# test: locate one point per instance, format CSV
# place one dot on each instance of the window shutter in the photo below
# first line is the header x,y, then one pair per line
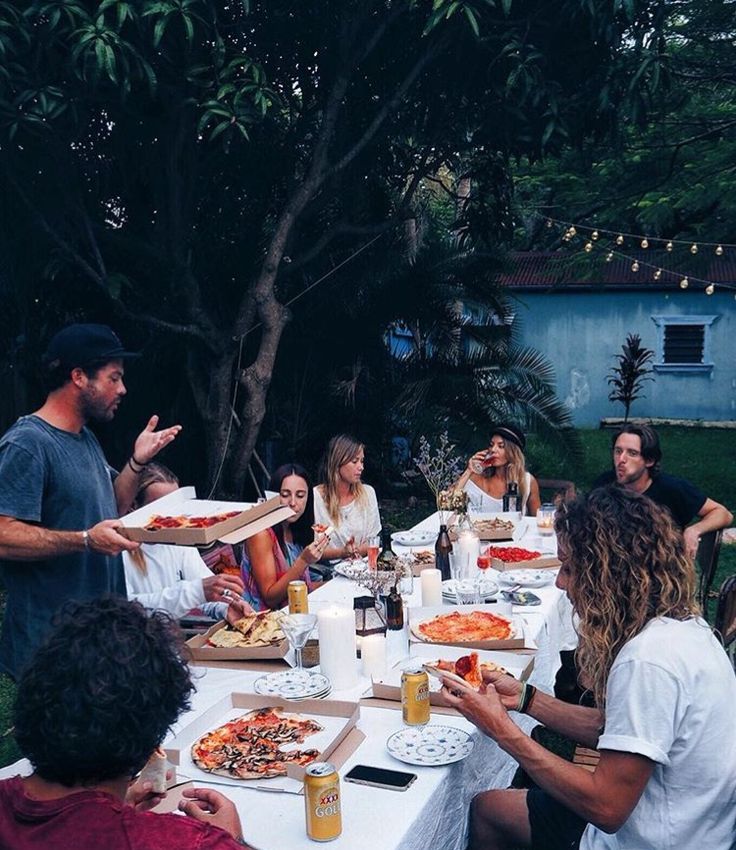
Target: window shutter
x,y
684,343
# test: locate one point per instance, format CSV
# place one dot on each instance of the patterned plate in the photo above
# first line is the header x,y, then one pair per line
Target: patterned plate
x,y
488,589
528,578
430,745
293,684
414,538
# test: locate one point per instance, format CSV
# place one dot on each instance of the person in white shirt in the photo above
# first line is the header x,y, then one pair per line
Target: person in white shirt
x,y
344,502
664,688
175,579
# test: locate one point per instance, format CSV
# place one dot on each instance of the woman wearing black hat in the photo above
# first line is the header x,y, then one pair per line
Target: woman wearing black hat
x,y
490,470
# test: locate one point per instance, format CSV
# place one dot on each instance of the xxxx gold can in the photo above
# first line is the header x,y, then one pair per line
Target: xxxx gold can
x,y
322,801
415,697
298,600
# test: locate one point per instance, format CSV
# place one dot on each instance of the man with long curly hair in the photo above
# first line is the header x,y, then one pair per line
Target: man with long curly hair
x,y
664,688
96,701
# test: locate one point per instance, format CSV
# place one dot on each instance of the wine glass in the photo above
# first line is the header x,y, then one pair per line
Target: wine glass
x,y
297,628
374,547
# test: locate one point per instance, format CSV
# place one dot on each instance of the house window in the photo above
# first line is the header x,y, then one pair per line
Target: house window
x,y
684,343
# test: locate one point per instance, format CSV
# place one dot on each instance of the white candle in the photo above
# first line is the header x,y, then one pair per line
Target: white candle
x,y
337,653
468,544
373,655
431,582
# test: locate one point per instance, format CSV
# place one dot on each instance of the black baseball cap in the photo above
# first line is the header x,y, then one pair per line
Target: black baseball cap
x,y
82,344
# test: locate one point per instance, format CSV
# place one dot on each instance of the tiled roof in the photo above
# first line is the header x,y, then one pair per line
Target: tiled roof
x,y
544,270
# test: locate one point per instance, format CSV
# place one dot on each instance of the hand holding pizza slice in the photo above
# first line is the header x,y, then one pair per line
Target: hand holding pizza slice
x,y
466,670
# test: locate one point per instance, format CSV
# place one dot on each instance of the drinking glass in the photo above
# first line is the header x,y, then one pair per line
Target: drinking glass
x,y
297,628
460,565
546,520
374,547
467,592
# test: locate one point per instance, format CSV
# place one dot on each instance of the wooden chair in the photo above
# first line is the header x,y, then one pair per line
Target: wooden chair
x,y
725,622
706,558
560,487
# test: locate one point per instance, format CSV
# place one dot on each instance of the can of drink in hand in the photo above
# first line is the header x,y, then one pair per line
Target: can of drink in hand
x,y
298,600
322,801
415,697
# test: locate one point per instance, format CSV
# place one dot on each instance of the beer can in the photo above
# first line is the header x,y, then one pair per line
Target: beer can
x,y
298,601
415,697
322,801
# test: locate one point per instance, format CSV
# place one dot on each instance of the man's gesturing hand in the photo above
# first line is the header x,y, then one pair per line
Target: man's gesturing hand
x,y
150,441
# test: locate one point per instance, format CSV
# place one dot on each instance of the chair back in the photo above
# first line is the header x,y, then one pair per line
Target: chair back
x,y
725,622
707,560
562,490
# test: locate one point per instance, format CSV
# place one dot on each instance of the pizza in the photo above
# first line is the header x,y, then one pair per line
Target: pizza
x,y
464,628
320,528
512,554
158,522
252,630
250,747
466,668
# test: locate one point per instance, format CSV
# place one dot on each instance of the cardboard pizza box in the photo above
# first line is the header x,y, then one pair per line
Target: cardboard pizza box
x,y
518,641
546,562
388,687
202,652
337,717
249,520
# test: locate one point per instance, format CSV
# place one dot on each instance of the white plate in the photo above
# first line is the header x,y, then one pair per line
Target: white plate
x,y
293,684
430,745
414,538
488,589
349,569
528,578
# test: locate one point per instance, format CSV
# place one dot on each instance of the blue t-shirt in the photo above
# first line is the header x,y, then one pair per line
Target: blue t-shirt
x,y
61,481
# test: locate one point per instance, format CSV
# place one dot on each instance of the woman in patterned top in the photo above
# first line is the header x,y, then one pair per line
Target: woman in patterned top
x,y
278,555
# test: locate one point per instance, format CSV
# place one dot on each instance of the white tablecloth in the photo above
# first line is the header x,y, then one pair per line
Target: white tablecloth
x,y
433,811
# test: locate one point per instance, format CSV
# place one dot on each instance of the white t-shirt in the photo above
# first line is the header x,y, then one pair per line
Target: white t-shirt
x,y
359,520
479,500
671,697
173,580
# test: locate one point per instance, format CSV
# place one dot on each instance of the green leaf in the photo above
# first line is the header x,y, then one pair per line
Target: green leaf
x,y
470,15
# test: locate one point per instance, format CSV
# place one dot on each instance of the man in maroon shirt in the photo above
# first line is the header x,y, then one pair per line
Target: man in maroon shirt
x,y
96,701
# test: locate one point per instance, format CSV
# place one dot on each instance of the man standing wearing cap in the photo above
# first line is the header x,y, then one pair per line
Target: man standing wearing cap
x,y
59,499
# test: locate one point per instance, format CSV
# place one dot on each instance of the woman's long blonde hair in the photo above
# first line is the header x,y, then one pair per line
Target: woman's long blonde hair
x,y
626,566
153,473
515,469
340,450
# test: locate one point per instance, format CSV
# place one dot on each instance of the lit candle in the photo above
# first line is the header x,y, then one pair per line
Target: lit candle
x,y
468,544
337,652
373,655
431,582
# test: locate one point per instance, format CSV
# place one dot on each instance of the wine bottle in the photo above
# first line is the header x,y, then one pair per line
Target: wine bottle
x,y
394,611
511,498
442,549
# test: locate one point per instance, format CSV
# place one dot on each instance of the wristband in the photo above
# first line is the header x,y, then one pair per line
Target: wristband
x,y
131,461
85,539
525,698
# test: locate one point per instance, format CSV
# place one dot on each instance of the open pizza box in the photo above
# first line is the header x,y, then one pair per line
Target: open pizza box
x,y
389,685
546,562
249,520
337,741
201,651
519,639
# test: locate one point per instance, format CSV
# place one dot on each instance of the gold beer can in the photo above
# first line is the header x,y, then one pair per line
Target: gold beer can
x,y
298,599
322,801
415,697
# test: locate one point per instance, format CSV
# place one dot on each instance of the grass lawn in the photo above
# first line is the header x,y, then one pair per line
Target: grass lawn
x,y
705,457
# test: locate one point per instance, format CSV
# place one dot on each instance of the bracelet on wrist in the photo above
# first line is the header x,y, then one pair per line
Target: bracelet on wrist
x,y
85,538
525,698
132,463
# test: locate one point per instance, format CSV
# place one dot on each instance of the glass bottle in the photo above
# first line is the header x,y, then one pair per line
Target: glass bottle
x,y
511,498
394,611
386,557
442,549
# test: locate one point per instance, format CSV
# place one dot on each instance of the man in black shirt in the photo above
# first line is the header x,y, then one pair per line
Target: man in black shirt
x,y
636,461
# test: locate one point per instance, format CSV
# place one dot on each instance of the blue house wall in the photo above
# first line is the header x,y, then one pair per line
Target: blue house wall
x,y
581,331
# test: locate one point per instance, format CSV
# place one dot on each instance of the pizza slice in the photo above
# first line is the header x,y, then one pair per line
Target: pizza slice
x,y
320,528
466,669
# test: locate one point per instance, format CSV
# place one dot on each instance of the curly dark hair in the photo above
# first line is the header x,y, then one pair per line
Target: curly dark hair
x,y
625,564
101,693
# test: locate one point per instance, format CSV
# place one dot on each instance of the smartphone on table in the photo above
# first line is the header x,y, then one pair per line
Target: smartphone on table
x,y
380,777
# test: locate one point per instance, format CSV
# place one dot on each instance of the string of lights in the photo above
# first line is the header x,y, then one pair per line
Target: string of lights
x,y
612,244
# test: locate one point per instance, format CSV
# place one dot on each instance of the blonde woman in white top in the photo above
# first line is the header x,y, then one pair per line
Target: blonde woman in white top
x,y
502,462
344,502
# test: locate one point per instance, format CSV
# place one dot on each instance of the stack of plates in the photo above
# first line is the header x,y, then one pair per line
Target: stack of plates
x,y
293,685
488,590
528,578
